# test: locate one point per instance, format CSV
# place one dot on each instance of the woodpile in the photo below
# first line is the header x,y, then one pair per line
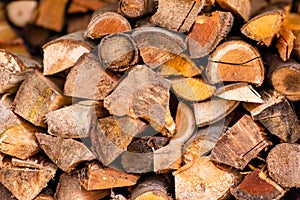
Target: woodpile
x,y
149,99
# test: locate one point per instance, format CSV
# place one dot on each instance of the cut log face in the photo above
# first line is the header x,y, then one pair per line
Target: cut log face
x,y
63,52
239,92
87,79
136,8
96,177
143,94
203,180
36,97
157,45
256,27
5,194
177,15
207,33
65,153
103,24
241,8
20,12
69,188
283,165
285,44
235,61
240,144
26,183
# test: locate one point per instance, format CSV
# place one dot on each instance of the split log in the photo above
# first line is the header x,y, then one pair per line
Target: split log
x,y
118,52
5,194
207,32
78,22
36,97
96,177
296,49
277,115
285,43
44,197
235,61
256,185
136,8
257,6
63,52
180,65
65,153
157,45
192,89
239,92
283,165
177,15
213,110
87,79
203,180
240,144
152,187
241,8
26,183
89,4
111,136
143,94
32,162
106,23
69,188
256,27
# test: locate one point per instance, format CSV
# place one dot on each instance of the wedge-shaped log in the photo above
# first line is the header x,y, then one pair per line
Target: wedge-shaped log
x,y
240,144
235,61
136,8
36,97
65,153
241,8
63,52
285,44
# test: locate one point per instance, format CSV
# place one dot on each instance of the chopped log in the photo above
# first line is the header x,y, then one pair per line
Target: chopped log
x,y
26,183
96,177
90,4
51,14
152,187
296,49
143,94
180,65
285,43
5,194
69,188
235,61
36,97
203,180
192,89
256,27
136,8
207,32
78,22
63,52
118,52
111,136
239,92
106,23
157,45
75,7
283,165
256,185
44,197
87,79
177,15
65,153
277,115
32,162
240,144
213,110
240,8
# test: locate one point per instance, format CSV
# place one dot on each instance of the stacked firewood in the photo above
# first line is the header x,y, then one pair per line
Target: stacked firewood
x,y
149,99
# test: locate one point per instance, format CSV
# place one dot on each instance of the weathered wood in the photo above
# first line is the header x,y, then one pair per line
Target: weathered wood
x,y
118,52
90,4
136,8
257,6
106,23
32,162
65,153
235,61
207,32
157,45
36,97
177,15
63,52
285,43
192,89
87,79
96,177
5,194
241,8
69,188
240,144
283,165
143,94
203,180
78,22
296,49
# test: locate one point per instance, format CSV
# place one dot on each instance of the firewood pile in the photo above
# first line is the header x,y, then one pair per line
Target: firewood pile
x,y
149,99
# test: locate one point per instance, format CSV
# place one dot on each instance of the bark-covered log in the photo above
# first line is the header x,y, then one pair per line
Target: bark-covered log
x,y
241,8
136,8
